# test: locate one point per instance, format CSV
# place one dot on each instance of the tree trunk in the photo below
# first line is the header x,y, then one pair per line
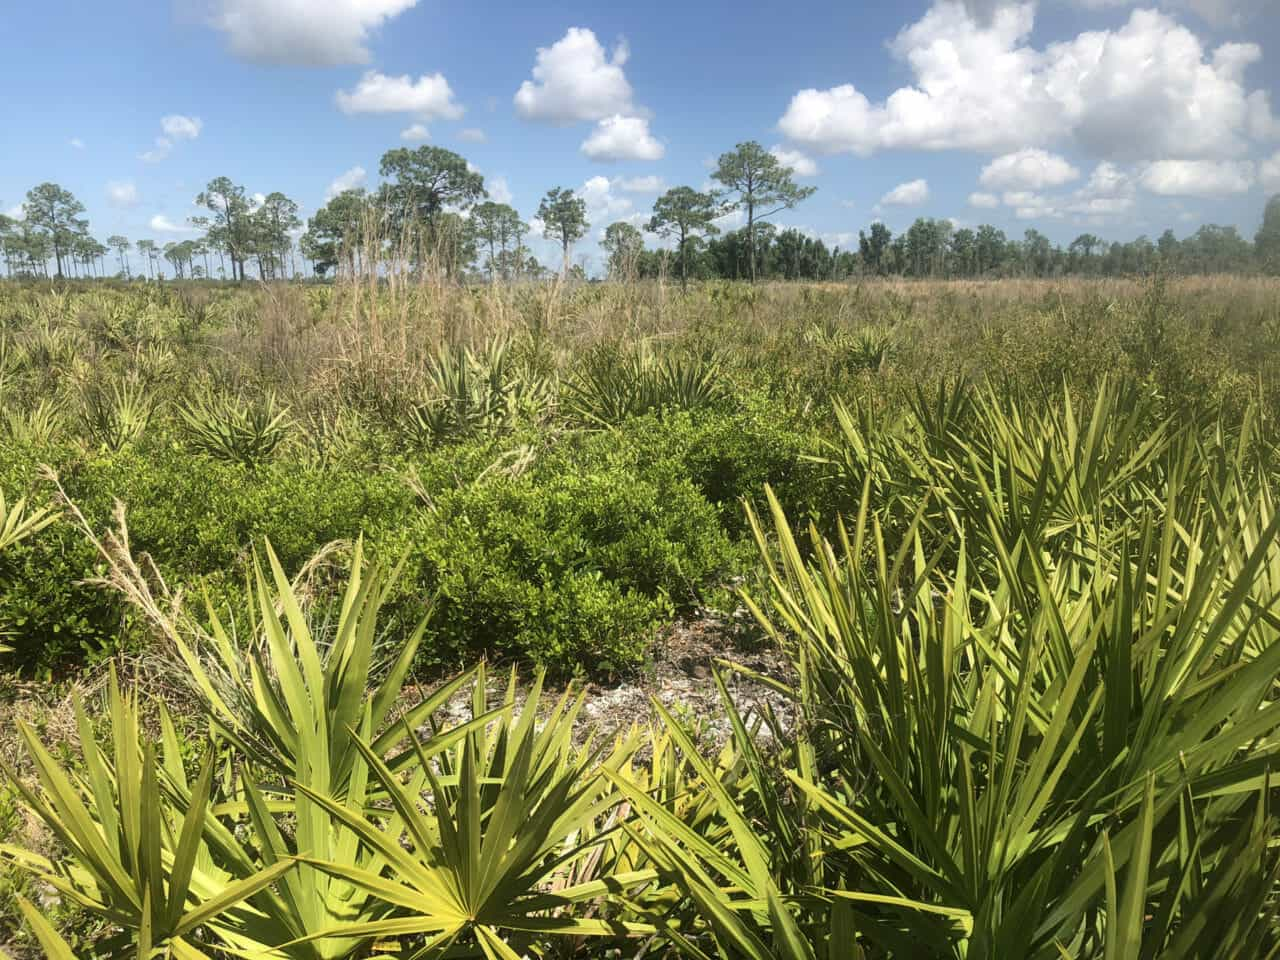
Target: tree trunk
x,y
684,262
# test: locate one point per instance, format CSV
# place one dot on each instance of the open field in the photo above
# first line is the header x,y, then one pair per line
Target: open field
x,y
1001,557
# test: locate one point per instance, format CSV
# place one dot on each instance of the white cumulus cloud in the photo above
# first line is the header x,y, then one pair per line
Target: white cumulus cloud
x,y
650,184
574,79
499,190
178,127
429,97
122,193
603,205
175,127
1264,125
1027,169
415,132
622,138
800,164
1109,192
1198,178
909,194
1146,89
347,180
163,147
731,220
162,224
1220,13
1269,174
472,135
303,32
1029,205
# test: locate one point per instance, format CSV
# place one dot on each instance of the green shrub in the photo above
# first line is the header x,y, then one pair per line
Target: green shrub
x,y
195,517
731,454
573,563
198,516
569,551
48,615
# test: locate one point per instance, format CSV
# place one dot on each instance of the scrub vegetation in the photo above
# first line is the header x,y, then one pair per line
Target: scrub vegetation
x,y
307,588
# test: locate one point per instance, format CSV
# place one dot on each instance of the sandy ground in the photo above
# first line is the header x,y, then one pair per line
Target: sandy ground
x,y
679,675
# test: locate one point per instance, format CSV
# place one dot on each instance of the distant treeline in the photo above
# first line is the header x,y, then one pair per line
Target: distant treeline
x,y
432,207
938,249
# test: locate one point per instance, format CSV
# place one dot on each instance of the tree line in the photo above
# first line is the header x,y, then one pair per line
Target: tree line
x,y
432,208
932,248
432,197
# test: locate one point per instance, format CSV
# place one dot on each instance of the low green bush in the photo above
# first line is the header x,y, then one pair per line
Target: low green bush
x,y
730,455
569,551
574,562
48,614
198,516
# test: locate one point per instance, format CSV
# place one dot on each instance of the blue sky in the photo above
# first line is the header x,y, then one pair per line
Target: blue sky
x,y
1069,115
